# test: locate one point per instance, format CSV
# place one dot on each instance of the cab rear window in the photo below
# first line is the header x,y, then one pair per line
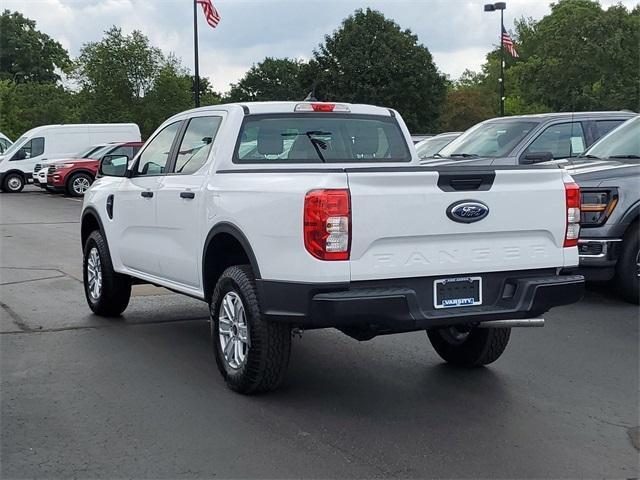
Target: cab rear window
x,y
320,138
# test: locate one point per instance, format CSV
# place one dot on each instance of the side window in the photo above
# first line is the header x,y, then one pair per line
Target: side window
x,y
605,126
196,144
154,158
32,148
128,151
563,140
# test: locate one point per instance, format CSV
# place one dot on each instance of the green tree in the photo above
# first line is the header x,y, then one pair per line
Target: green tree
x,y
171,93
271,79
464,108
115,74
28,55
370,59
27,105
581,57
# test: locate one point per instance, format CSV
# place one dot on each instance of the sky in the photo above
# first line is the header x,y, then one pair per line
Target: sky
x,y
457,32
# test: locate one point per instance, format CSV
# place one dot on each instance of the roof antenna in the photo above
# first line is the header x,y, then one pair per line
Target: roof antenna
x,y
311,96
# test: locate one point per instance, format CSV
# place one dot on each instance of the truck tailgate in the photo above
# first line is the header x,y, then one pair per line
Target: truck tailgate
x,y
400,226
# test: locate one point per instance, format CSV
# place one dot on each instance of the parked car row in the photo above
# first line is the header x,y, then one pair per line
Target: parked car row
x,y
50,143
75,175
606,168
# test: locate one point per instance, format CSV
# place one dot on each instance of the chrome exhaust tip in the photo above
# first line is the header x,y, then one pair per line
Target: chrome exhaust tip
x,y
527,322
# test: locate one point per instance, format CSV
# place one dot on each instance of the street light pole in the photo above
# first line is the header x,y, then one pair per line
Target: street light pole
x,y
196,79
492,7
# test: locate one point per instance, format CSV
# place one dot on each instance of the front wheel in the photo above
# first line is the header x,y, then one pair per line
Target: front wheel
x,y
107,291
79,184
252,354
469,347
13,183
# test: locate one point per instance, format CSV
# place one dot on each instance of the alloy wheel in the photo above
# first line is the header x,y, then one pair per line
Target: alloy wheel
x,y
233,331
94,274
80,185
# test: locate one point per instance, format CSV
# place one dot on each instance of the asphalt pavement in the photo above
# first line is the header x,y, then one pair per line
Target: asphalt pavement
x,y
140,397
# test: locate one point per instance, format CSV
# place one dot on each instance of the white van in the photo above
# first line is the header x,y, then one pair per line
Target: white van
x,y
56,141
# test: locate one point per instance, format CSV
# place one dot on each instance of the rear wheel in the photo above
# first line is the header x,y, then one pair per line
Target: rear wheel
x,y
107,292
78,184
628,267
13,183
252,354
469,346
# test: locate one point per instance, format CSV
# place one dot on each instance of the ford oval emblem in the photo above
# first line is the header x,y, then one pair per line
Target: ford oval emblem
x,y
467,211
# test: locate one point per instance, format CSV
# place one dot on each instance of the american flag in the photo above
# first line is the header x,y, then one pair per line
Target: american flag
x,y
210,12
508,43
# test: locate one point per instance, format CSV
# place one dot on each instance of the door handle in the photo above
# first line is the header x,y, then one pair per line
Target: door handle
x,y
146,194
187,195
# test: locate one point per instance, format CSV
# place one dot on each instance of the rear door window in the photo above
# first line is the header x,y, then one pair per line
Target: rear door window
x,y
562,140
196,144
318,138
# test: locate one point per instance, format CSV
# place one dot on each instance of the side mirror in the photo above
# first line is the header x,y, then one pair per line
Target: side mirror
x,y
114,165
537,157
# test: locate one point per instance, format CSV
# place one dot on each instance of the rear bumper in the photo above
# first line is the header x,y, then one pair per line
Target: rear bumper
x,y
406,304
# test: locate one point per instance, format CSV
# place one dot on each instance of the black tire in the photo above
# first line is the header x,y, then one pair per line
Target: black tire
x,y
115,290
627,268
269,344
76,183
474,348
13,183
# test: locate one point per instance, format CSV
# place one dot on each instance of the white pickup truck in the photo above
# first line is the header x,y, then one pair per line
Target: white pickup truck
x,y
286,215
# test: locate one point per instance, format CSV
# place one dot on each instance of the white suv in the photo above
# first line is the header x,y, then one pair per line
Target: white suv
x,y
310,215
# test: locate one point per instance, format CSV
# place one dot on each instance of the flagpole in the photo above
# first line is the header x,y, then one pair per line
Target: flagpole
x,y
502,62
195,52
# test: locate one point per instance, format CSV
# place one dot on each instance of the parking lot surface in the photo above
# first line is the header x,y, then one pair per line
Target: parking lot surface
x,y
141,397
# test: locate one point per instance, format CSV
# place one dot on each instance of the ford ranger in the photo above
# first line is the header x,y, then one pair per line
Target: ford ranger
x,y
288,216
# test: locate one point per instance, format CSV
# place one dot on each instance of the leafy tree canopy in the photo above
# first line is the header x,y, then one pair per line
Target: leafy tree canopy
x,y
370,59
28,55
27,105
579,57
271,79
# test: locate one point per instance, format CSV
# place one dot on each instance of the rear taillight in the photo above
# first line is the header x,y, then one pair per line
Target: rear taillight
x,y
327,224
572,194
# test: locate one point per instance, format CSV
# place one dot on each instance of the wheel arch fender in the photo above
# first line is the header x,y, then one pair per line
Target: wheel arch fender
x,y
89,221
631,215
227,229
70,175
15,170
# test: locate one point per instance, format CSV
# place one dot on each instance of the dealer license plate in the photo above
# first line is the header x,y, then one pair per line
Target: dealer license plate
x,y
457,292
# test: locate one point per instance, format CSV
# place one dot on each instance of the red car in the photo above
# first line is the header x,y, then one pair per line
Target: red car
x,y
75,176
